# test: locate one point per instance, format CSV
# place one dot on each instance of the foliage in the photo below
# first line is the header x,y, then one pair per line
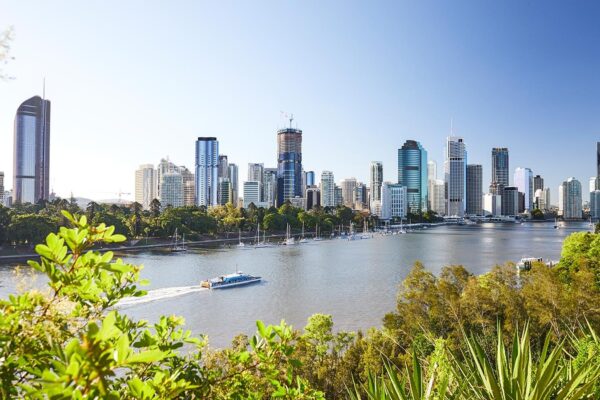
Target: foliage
x,y
70,342
538,214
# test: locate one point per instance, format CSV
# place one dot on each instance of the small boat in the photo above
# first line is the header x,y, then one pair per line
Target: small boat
x,y
240,244
556,226
177,246
303,239
263,244
289,239
230,280
525,263
317,238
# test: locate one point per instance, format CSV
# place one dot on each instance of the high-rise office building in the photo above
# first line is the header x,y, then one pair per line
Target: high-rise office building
x,y
289,164
255,172
474,189
225,192
455,170
595,204
348,186
223,166
542,199
233,179
359,196
538,183
189,186
270,186
171,190
165,166
500,170
313,197
438,197
375,179
145,185
510,200
569,199
492,204
431,177
310,178
594,183
252,193
327,189
598,159
207,171
31,169
394,201
413,174
523,179
338,198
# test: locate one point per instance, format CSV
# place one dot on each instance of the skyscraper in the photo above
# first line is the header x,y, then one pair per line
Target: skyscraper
x,y
233,178
438,197
270,186
225,192
252,193
207,171
500,171
171,189
510,200
145,185
1,188
394,201
595,204
412,173
569,199
375,180
327,189
523,179
223,166
474,189
189,186
455,170
538,183
348,186
310,178
598,159
255,173
31,170
289,164
313,197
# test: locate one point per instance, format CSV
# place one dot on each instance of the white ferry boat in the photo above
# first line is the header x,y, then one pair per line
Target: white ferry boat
x,y
231,280
526,263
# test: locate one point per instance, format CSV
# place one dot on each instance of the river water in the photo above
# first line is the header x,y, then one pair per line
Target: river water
x,y
355,281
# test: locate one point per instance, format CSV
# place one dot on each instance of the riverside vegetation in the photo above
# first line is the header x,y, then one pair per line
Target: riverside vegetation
x,y
500,335
27,224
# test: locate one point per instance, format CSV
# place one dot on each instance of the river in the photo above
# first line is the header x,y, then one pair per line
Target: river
x,y
355,281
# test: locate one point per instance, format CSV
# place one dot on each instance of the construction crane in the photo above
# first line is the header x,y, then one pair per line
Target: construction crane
x,y
119,193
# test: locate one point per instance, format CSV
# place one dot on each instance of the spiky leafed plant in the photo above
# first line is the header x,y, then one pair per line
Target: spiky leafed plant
x,y
407,384
518,375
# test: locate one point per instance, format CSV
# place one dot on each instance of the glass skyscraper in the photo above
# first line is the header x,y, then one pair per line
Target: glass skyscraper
x,y
31,173
207,171
412,173
500,173
289,164
474,189
455,171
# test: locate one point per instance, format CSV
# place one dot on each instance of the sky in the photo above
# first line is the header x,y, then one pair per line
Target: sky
x,y
132,82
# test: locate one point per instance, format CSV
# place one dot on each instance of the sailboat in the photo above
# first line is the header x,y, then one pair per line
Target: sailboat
x,y
365,234
303,240
289,239
351,235
556,223
176,246
240,244
317,238
259,244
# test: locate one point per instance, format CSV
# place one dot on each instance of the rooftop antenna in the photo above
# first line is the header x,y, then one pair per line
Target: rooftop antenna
x,y
44,88
291,119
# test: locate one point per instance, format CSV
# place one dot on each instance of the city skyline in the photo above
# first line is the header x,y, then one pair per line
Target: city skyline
x,y
383,94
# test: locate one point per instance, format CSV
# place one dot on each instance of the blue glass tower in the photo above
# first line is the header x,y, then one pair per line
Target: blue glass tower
x,y
289,164
31,179
412,173
207,171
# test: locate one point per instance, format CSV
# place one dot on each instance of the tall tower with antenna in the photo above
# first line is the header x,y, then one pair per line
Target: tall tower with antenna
x,y
289,163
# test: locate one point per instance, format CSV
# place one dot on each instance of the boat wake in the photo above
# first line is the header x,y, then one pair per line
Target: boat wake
x,y
160,294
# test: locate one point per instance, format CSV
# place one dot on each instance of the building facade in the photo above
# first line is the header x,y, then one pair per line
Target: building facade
x,y
145,185
171,190
31,168
270,186
413,173
492,204
359,196
252,193
438,197
233,180
538,183
310,178
327,189
313,197
394,201
1,188
455,171
510,200
348,186
189,186
569,199
225,192
207,171
595,205
375,179
523,179
289,164
500,170
474,189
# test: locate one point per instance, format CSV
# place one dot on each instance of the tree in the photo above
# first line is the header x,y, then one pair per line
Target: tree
x,y
155,208
29,228
538,214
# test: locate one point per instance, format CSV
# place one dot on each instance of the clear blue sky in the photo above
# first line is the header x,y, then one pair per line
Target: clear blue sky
x,y
133,81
